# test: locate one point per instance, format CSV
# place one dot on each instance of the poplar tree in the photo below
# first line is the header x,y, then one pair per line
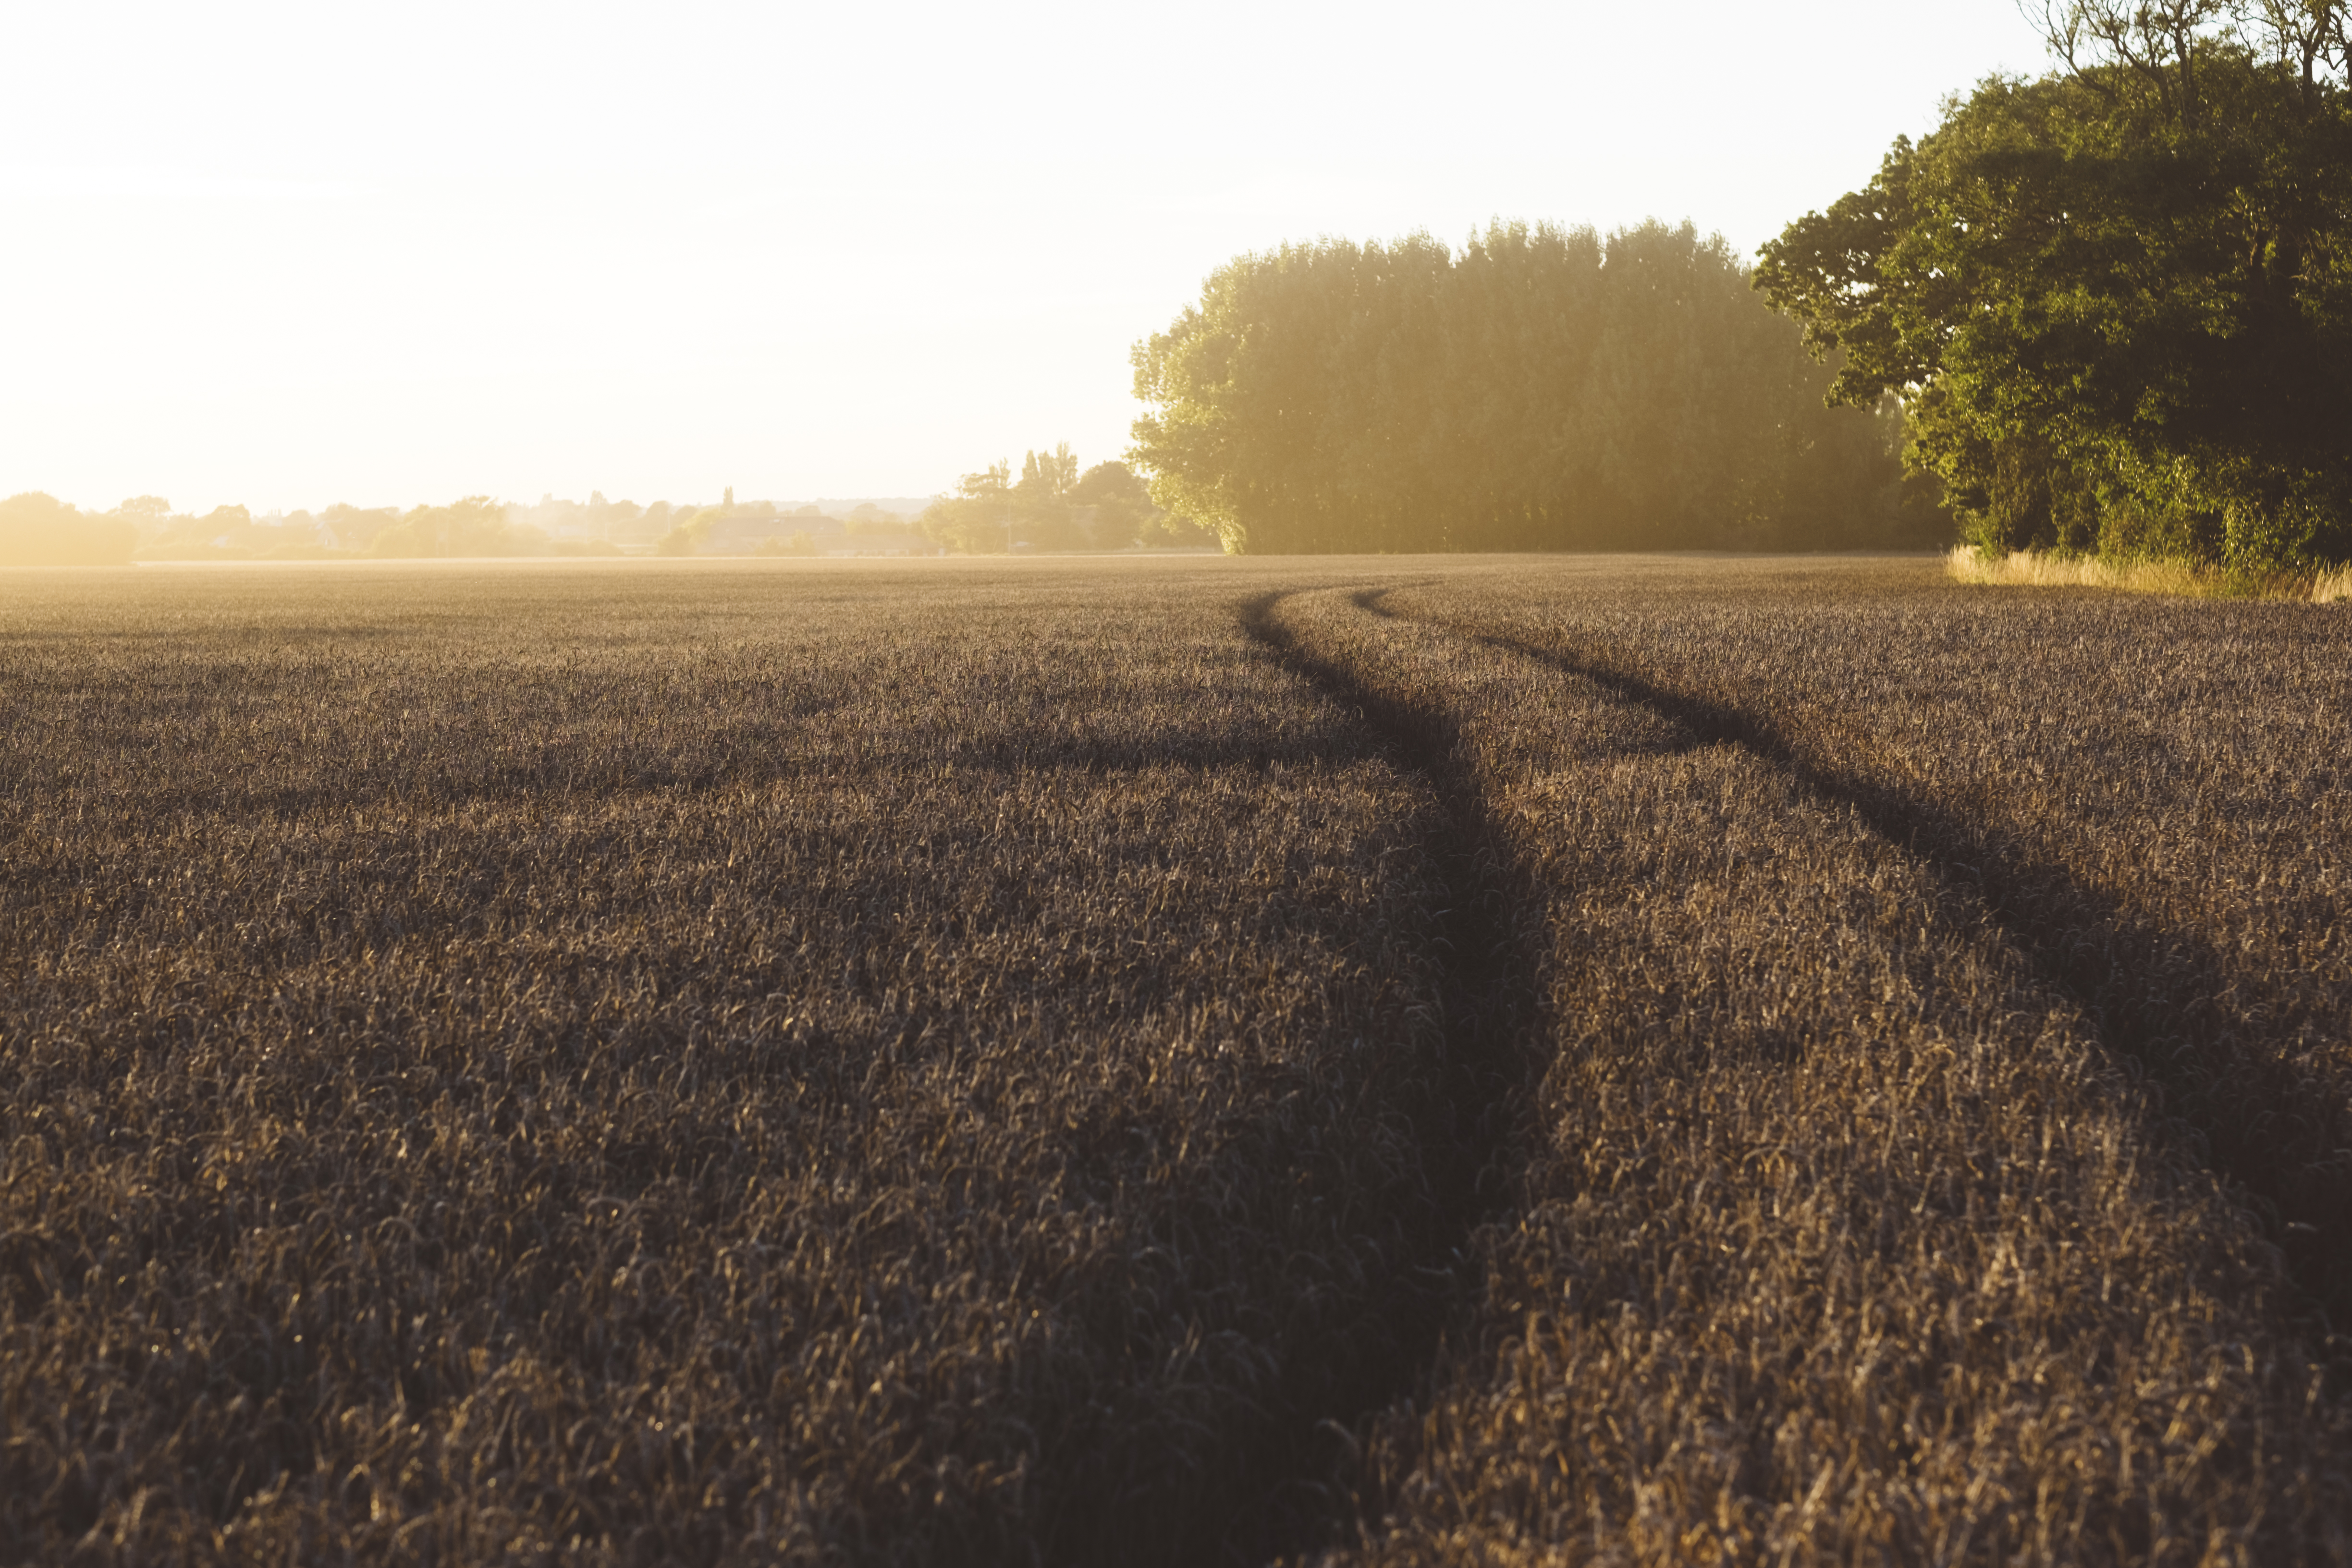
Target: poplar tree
x,y
1545,389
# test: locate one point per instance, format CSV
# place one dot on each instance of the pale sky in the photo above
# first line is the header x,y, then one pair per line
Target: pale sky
x,y
291,254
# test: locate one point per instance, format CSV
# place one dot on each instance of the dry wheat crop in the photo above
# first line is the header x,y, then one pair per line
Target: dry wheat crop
x,y
706,1066
2153,796
1844,1236
1013,1063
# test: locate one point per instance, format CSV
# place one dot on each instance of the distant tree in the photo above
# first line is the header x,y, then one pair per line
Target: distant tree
x,y
1052,506
977,520
1044,513
38,530
1121,513
223,533
1048,476
1115,505
355,528
473,526
146,513
1111,481
689,534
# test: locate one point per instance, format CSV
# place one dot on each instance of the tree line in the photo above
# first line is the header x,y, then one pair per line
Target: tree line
x,y
2107,309
2104,309
1546,388
37,530
1054,507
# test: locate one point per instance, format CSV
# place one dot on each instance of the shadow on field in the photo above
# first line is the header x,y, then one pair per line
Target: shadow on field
x,y
2207,1036
496,773
1474,1136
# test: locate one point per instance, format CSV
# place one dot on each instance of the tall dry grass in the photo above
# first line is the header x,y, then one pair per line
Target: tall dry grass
x,y
702,1067
1844,1235
2037,568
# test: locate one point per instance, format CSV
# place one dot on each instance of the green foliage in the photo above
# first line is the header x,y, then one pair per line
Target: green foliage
x,y
2117,299
689,534
1052,507
1546,389
1118,512
1043,513
977,520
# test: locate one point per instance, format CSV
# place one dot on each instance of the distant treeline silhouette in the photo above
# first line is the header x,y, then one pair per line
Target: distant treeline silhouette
x,y
1054,507
1545,389
37,530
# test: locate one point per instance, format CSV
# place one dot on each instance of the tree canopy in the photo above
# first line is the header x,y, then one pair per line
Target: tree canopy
x,y
474,525
2116,298
1052,507
38,530
1545,389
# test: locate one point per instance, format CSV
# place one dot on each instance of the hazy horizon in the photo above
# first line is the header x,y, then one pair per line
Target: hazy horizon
x,y
278,257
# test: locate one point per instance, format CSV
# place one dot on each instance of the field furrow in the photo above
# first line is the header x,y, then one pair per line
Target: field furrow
x,y
1842,1235
2150,797
1564,1060
883,1071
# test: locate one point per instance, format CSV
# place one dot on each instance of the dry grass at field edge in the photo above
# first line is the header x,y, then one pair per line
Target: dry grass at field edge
x,y
2038,569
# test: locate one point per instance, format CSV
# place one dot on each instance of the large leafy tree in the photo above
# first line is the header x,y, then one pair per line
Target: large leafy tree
x,y
2116,298
1543,389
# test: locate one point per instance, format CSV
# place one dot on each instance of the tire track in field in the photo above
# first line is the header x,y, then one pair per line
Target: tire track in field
x,y
1476,1137
2151,993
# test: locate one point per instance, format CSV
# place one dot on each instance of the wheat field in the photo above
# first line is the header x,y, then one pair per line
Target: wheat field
x,y
1380,1059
